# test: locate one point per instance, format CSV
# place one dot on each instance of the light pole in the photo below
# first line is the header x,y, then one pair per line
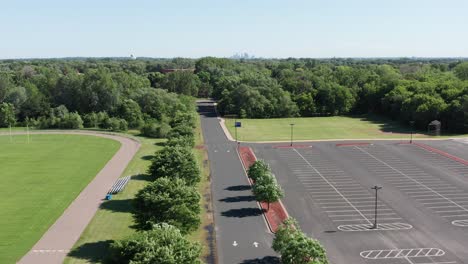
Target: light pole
x,y
412,127
376,188
292,125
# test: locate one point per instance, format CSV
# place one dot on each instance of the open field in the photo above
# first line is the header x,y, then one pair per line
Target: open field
x,y
316,128
39,180
422,206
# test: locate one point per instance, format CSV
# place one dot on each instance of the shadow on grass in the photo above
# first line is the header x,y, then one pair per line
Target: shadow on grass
x,y
265,260
236,199
238,188
160,144
147,157
92,252
122,206
141,177
243,212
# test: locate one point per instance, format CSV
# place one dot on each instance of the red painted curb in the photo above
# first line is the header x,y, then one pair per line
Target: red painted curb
x,y
293,146
352,144
277,213
440,152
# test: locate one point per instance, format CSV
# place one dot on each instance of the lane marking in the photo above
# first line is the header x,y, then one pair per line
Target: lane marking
x,y
402,253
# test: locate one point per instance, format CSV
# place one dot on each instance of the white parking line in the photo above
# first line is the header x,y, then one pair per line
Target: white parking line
x,y
326,180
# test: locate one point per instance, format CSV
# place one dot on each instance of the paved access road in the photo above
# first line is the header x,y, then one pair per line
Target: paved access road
x,y
423,206
55,244
241,232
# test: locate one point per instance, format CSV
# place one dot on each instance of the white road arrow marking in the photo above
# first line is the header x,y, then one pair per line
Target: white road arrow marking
x,y
234,244
255,244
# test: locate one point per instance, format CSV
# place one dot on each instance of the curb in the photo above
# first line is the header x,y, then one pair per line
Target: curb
x,y
270,220
440,152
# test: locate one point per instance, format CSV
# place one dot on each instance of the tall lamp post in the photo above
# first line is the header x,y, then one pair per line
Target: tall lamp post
x,y
376,188
292,125
412,128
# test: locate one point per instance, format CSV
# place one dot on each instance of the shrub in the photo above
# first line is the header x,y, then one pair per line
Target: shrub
x,y
170,201
164,244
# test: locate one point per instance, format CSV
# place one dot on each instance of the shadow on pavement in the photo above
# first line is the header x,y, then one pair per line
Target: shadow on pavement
x,y
243,212
265,260
236,199
238,188
123,206
91,252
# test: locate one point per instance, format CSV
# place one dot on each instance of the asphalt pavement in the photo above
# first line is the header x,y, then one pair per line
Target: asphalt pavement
x,y
422,207
242,235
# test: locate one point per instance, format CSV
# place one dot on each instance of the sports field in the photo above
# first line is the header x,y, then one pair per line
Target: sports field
x,y
39,180
311,128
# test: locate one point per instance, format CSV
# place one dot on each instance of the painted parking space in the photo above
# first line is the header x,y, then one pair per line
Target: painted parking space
x,y
348,204
438,160
441,197
408,256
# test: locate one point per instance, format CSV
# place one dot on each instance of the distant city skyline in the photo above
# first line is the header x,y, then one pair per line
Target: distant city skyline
x,y
264,29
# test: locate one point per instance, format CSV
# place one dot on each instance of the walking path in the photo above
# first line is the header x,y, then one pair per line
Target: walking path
x,y
55,244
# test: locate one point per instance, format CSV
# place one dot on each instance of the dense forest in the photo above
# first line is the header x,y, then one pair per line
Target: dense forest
x,y
117,94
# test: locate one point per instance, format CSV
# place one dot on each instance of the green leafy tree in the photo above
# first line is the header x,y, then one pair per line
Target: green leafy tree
x,y
7,115
170,201
131,112
259,169
175,162
461,70
267,190
295,247
164,244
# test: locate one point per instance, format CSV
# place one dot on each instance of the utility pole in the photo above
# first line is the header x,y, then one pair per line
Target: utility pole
x,y
412,128
292,125
376,188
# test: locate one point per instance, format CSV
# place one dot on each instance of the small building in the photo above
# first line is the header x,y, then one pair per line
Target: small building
x,y
434,128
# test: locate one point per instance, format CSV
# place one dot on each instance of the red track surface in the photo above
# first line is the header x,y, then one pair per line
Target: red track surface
x,y
277,213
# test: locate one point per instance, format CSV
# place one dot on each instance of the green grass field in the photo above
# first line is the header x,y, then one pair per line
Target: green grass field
x,y
320,128
38,182
114,219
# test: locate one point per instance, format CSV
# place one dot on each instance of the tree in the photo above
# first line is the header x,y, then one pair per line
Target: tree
x,y
170,201
7,115
259,169
267,190
164,244
182,82
155,130
295,247
461,70
131,112
175,162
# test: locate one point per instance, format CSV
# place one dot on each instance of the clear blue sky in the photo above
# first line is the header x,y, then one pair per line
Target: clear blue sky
x,y
264,28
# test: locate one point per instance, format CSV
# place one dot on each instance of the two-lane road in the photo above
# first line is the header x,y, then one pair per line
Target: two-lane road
x,y
241,232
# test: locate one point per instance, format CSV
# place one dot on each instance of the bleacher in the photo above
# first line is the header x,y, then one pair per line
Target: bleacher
x,y
119,185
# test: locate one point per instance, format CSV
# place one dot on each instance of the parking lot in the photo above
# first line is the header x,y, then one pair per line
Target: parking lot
x,y
422,206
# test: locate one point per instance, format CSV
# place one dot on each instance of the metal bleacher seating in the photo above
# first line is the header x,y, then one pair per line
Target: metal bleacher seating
x,y
119,185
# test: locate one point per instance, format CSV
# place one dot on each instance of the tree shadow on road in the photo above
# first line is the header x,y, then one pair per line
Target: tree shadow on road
x,y
236,199
238,188
122,206
92,252
265,260
243,212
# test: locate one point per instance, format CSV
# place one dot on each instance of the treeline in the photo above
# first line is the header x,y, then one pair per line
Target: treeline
x,y
136,90
168,208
